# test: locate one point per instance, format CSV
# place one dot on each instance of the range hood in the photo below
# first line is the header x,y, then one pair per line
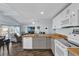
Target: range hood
x,y
70,26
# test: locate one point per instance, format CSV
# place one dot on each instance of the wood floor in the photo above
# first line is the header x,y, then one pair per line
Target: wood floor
x,y
16,50
34,53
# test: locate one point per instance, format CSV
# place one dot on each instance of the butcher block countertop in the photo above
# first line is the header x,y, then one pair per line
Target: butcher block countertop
x,y
52,36
74,51
57,36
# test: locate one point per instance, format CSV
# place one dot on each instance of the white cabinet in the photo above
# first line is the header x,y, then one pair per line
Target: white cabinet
x,y
39,43
48,43
56,23
27,43
68,17
53,46
36,43
42,43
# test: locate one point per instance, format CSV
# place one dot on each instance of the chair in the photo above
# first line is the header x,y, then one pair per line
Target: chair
x,y
18,38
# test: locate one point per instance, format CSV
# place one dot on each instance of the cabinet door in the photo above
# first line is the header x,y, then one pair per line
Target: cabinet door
x,y
48,43
35,43
53,46
27,43
39,43
42,43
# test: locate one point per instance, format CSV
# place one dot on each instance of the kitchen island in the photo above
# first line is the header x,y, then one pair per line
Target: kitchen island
x,y
39,41
34,41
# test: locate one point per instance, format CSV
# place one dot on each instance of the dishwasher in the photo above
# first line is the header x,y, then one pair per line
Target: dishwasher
x,y
61,47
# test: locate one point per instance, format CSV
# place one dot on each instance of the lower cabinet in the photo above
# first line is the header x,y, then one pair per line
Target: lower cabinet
x,y
48,43
39,43
27,43
36,43
53,46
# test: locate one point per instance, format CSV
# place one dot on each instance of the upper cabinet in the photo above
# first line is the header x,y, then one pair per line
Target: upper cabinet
x,y
68,17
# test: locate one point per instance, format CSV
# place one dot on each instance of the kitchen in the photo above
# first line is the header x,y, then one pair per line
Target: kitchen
x,y
34,32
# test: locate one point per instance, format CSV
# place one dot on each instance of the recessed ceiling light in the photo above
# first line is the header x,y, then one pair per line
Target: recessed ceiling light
x,y
33,23
42,12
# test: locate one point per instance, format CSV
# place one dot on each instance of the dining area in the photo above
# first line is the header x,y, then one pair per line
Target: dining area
x,y
7,47
8,37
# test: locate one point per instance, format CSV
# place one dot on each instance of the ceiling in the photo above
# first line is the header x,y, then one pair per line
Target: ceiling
x,y
26,13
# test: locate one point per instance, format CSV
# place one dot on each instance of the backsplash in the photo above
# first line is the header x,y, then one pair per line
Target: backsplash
x,y
68,31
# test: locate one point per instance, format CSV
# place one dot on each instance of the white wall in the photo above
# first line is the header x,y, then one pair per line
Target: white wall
x,y
42,23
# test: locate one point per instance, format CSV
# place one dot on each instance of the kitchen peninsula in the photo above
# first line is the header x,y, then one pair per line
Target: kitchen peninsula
x,y
39,41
